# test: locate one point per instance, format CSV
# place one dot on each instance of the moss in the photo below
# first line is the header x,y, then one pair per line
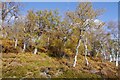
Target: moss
x,y
36,74
18,71
42,54
29,65
77,74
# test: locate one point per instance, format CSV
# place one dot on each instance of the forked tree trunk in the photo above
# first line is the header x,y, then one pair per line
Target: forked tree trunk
x,y
35,51
16,42
76,54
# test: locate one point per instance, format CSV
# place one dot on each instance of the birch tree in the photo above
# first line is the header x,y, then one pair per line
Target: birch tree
x,y
48,22
17,31
80,18
9,11
112,26
30,29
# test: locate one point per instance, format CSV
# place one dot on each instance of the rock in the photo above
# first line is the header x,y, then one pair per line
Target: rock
x,y
46,72
58,73
43,74
43,69
15,64
94,71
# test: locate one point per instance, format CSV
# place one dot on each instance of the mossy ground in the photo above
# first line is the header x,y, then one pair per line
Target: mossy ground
x,y
29,65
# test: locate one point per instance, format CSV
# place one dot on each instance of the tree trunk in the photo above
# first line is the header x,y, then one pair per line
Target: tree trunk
x,y
86,51
117,59
48,41
35,51
114,57
75,59
24,47
16,42
105,55
110,58
113,54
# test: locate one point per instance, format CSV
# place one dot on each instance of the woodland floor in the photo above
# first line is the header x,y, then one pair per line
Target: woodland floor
x,y
41,65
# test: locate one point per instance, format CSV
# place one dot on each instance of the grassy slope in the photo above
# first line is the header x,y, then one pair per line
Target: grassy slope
x,y
30,65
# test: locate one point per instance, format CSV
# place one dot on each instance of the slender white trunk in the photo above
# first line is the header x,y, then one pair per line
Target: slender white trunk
x,y
75,59
24,47
48,40
104,55
102,51
110,58
113,54
86,60
35,51
114,57
86,51
117,59
16,42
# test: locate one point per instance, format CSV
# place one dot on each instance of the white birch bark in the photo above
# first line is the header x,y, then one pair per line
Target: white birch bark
x,y
48,40
117,59
35,51
86,51
75,59
110,58
114,59
24,47
103,52
104,55
113,54
16,42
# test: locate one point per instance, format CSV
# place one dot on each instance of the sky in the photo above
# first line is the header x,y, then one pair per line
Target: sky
x,y
61,0
111,8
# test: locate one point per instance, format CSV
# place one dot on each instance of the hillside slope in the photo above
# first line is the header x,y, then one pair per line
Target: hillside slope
x,y
41,65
